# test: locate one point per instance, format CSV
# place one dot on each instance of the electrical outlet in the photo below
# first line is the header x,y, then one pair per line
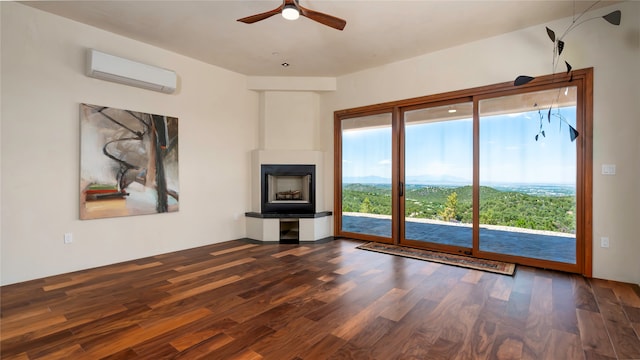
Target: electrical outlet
x,y
68,238
604,242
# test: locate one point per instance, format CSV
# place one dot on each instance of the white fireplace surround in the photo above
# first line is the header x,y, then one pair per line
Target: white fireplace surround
x,y
268,228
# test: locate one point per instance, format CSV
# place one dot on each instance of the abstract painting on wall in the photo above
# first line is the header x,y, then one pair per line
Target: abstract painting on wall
x,y
128,163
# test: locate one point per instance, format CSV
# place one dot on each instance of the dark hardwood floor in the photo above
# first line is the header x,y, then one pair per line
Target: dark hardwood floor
x,y
238,300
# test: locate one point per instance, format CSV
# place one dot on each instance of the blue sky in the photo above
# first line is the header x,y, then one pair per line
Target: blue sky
x,y
442,151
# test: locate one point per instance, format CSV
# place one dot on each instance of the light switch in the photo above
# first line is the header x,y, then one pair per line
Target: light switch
x,y
608,169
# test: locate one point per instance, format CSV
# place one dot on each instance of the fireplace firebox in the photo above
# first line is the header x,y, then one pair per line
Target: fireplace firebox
x,y
288,189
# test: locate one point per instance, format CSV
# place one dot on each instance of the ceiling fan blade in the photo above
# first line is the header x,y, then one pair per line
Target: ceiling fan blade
x,y
322,18
255,18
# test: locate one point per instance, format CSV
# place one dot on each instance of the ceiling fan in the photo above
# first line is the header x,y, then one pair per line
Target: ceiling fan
x,y
291,10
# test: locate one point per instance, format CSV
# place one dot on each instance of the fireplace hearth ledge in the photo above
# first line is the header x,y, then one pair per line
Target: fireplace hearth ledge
x,y
287,216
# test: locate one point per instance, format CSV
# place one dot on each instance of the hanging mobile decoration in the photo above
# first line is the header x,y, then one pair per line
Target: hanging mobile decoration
x,y
613,18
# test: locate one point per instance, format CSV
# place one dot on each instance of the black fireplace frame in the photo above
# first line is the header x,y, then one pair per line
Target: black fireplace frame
x,y
287,170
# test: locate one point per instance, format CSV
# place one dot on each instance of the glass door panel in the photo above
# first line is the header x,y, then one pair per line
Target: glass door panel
x,y
527,171
438,176
367,175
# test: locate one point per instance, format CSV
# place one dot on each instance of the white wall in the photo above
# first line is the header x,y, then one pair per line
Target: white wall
x,y
614,52
289,120
1,157
42,85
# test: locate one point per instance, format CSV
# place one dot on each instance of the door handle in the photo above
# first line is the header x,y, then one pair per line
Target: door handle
x,y
401,189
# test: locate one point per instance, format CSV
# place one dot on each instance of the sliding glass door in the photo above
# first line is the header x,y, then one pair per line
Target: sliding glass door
x,y
366,176
438,177
499,172
528,175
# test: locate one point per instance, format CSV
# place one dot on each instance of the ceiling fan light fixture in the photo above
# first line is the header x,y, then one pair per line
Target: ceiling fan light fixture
x,y
290,12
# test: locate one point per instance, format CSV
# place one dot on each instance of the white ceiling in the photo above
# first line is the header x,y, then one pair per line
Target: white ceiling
x,y
377,31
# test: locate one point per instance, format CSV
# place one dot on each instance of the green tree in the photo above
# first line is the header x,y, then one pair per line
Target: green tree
x,y
450,206
365,206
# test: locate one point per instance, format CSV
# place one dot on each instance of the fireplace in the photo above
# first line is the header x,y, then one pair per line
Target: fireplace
x,y
288,189
287,204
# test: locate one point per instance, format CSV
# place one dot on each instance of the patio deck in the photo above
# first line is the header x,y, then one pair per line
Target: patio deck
x,y
532,244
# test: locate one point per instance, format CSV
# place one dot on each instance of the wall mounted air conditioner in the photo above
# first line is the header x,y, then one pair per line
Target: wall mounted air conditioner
x,y
112,68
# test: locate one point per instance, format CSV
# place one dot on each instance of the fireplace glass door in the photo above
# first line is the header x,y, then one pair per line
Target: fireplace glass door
x,y
288,189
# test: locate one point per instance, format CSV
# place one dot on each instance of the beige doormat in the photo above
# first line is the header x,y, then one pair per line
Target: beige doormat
x,y
498,267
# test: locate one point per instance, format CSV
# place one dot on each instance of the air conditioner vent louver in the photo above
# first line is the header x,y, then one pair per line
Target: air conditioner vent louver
x,y
116,69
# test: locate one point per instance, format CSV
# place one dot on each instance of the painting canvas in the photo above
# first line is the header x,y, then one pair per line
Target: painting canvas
x,y
128,163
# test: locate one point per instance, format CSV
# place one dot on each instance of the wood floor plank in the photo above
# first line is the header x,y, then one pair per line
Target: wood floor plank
x,y
407,337
624,339
539,319
323,349
455,328
140,334
184,341
376,331
296,251
203,349
284,342
563,313
334,290
518,306
617,323
362,319
268,301
583,295
627,295
208,270
242,300
184,337
476,331
404,304
85,277
34,324
20,319
233,249
483,335
593,333
194,291
352,351
472,276
337,311
30,342
247,354
502,288
20,356
563,345
74,351
238,348
507,348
